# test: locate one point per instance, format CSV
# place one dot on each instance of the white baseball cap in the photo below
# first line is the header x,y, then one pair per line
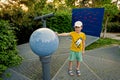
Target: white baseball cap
x,y
78,23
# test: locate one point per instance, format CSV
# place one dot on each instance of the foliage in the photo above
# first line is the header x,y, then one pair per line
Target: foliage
x,y
2,68
110,10
8,52
70,3
101,2
23,20
103,42
113,27
61,22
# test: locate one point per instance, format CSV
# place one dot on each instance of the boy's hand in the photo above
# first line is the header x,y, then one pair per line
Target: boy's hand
x,y
56,33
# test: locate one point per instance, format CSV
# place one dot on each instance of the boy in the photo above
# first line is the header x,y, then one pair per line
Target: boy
x,y
77,48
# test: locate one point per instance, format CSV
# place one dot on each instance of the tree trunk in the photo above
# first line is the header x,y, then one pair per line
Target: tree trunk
x,y
105,27
117,2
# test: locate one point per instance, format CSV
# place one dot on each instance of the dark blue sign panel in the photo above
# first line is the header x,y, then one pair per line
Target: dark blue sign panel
x,y
92,19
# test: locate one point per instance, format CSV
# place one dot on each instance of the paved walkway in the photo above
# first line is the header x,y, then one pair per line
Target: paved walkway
x,y
31,69
99,64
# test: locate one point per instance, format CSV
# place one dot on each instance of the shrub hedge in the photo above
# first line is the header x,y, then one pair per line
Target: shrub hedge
x,y
8,51
62,22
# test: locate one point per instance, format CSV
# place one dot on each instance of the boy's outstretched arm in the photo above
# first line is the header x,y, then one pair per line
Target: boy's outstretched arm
x,y
63,34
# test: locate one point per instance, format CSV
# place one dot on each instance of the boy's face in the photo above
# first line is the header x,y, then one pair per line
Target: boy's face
x,y
78,28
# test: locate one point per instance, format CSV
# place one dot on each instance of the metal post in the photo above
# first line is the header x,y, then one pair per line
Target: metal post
x,y
46,67
44,23
46,59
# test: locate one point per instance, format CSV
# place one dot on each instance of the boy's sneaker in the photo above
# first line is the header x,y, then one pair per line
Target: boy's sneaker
x,y
78,72
70,72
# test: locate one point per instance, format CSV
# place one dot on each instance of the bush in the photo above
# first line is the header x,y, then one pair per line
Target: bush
x,y
62,22
114,27
8,52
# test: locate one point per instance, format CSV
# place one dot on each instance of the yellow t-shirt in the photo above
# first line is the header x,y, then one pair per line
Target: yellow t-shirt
x,y
77,39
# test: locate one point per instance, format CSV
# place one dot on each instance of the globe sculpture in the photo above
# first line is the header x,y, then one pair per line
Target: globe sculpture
x,y
43,42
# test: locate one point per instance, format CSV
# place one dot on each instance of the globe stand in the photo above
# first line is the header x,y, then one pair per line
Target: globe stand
x,y
46,67
38,41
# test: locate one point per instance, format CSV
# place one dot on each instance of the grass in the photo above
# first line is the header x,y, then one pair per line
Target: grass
x,y
103,42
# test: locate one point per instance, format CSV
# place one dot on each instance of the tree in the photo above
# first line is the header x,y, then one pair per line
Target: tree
x,y
99,3
70,3
110,11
